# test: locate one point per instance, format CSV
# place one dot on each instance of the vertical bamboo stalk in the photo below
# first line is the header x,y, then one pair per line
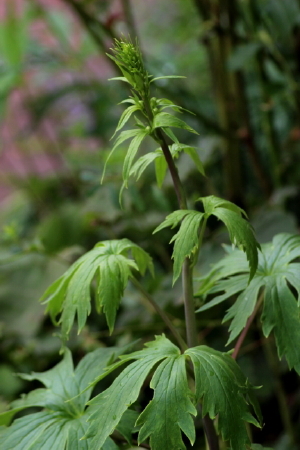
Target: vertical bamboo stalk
x,y
219,46
279,391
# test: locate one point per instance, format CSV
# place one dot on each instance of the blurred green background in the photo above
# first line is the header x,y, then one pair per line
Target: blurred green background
x,y
58,112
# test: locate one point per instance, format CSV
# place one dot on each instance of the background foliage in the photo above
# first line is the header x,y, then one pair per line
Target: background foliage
x,y
58,113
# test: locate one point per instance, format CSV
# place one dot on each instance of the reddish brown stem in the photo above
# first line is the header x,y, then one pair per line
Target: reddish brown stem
x,y
246,329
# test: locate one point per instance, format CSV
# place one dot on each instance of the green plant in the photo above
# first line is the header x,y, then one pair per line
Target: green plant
x,y
188,379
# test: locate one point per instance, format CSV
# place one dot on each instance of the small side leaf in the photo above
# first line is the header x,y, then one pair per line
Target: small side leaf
x,y
164,119
241,234
191,151
240,231
127,134
142,163
125,116
119,79
166,77
243,308
186,239
160,170
131,152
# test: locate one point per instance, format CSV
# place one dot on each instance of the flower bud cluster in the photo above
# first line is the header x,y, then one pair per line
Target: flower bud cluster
x,y
129,59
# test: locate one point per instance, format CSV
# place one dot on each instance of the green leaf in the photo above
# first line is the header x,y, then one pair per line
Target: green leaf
x,y
63,422
166,77
281,314
171,409
119,79
130,100
131,152
241,234
186,239
171,135
127,134
36,431
164,119
275,274
110,264
230,288
211,203
166,103
160,163
127,424
161,167
191,151
240,231
125,116
108,407
143,162
223,390
243,307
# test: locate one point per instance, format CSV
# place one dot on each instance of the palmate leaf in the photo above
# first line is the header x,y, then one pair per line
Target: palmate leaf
x,y
240,231
276,272
170,411
108,407
223,390
63,422
110,264
187,238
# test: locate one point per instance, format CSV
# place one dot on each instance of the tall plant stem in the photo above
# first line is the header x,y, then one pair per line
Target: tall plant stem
x,y
189,308
173,171
246,329
187,275
187,282
182,344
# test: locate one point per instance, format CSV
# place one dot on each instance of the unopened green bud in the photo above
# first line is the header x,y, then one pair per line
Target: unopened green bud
x,y
129,59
